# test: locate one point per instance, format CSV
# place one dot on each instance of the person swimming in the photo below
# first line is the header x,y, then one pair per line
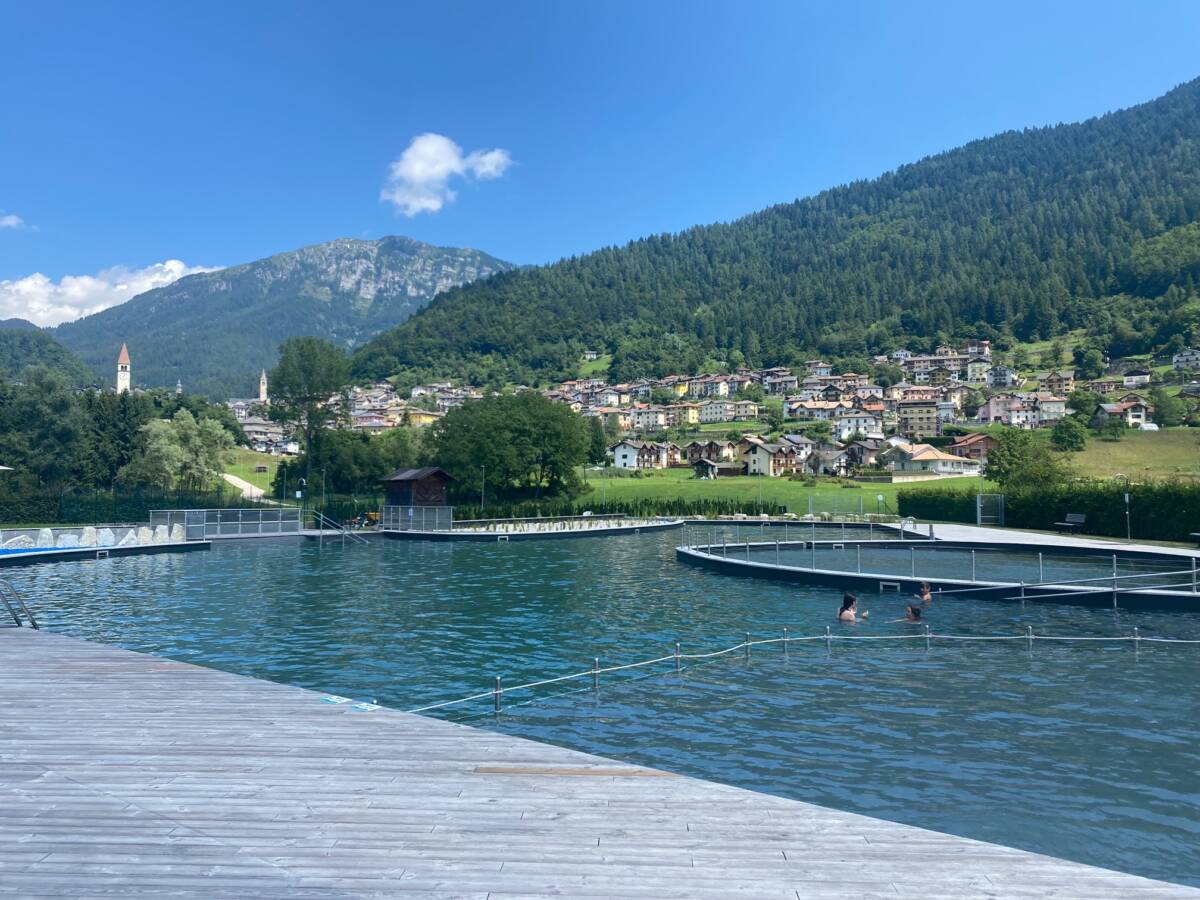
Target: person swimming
x,y
925,595
849,610
912,613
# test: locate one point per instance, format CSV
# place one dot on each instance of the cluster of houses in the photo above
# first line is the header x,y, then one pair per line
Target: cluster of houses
x,y
940,388
796,454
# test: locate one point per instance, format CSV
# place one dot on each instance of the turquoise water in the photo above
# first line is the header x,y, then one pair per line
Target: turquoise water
x,y
1081,751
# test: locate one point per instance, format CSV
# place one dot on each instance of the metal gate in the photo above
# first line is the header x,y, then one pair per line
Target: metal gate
x,y
989,509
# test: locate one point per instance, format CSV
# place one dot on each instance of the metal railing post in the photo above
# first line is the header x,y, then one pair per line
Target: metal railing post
x,y
747,646
912,559
1029,636
777,553
747,549
814,554
1193,575
858,558
496,693
972,567
1137,639
1041,571
596,671
785,640
677,657
1114,581
828,638
926,638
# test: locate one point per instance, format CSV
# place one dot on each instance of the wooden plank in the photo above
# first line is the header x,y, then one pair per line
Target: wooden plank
x,y
126,775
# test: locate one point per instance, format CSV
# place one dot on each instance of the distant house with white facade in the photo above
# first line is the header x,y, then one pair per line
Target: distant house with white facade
x,y
772,460
1186,359
926,460
1003,376
1137,378
644,454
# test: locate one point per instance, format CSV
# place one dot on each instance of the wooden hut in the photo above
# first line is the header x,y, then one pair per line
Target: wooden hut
x,y
417,487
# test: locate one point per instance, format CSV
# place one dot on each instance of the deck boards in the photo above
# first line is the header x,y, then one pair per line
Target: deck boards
x,y
126,775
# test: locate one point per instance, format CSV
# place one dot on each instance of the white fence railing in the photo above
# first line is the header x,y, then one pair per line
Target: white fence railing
x,y
416,518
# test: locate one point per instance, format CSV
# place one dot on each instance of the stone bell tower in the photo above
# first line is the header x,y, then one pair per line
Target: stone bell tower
x,y
123,371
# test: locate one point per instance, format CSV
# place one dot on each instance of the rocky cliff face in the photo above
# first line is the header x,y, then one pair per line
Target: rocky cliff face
x,y
215,330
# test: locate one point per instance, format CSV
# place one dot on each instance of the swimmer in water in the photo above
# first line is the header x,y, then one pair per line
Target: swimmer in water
x,y
926,593
912,613
849,610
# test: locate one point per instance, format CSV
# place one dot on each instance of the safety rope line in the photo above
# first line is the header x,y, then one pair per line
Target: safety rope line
x,y
829,637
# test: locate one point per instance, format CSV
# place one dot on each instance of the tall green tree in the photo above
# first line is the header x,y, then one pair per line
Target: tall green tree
x,y
308,387
1022,457
523,444
1069,435
597,442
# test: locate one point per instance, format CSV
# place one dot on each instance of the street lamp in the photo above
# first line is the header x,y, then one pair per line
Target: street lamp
x,y
1125,478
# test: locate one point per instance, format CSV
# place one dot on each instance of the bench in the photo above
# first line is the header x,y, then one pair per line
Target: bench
x,y
1072,524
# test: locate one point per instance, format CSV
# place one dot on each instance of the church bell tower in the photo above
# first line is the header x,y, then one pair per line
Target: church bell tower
x,y
123,371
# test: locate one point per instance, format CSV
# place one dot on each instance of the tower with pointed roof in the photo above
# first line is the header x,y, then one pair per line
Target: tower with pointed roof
x,y
123,371
262,388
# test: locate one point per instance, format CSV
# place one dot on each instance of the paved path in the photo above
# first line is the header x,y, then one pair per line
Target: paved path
x,y
126,775
249,491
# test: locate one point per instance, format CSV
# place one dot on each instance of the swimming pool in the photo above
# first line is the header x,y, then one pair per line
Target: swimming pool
x,y
1084,752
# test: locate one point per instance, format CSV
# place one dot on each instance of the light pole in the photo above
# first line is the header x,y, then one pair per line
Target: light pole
x,y
482,488
1128,529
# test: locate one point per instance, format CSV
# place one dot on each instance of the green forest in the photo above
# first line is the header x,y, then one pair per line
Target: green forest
x,y
1019,237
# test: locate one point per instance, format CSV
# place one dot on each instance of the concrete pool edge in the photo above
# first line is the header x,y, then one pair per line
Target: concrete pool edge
x,y
502,536
882,582
33,557
230,785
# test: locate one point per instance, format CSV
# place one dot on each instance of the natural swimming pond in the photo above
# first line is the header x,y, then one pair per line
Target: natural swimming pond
x,y
1089,752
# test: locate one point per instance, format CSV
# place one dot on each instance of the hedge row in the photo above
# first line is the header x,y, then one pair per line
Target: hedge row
x,y
102,507
1158,510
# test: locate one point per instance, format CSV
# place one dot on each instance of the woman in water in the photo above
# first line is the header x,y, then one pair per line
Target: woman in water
x,y
912,613
849,610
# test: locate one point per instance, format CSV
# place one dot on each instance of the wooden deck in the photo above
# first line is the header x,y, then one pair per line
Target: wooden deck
x,y
126,775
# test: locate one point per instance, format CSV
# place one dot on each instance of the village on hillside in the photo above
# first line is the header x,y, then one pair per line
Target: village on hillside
x,y
782,422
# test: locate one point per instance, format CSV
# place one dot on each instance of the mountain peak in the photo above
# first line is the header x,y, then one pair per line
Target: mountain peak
x,y
215,331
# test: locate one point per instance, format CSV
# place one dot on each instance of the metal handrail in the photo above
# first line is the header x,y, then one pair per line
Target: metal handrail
x,y
6,586
321,520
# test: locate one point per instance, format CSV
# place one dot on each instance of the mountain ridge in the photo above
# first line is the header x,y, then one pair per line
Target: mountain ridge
x,y
1028,233
215,330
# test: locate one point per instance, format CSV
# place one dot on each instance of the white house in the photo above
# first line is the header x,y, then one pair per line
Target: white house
x,y
1186,359
855,421
640,455
1136,378
717,411
1003,376
924,459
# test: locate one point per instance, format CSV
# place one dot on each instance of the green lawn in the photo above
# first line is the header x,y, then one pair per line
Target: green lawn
x,y
1142,454
680,483
595,367
244,462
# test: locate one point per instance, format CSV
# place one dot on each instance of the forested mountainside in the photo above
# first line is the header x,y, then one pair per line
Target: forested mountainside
x,y
23,344
1019,236
216,330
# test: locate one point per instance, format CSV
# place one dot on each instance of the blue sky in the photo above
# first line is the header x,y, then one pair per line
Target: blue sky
x,y
135,134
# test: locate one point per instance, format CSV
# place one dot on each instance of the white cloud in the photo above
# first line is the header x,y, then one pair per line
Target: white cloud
x,y
47,302
12,221
419,179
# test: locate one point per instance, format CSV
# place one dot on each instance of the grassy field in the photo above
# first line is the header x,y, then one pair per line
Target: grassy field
x,y
244,462
1142,454
681,484
595,367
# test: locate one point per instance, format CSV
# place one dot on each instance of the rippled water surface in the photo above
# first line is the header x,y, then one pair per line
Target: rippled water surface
x,y
1081,751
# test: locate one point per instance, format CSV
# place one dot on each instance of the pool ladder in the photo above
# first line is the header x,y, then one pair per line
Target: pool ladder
x,y
12,601
323,521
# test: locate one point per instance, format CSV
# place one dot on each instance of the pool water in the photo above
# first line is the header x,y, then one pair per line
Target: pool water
x,y
1087,752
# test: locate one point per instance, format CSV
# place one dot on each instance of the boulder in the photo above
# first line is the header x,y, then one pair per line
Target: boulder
x,y
45,537
129,538
178,534
105,537
87,537
20,542
145,535
162,534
